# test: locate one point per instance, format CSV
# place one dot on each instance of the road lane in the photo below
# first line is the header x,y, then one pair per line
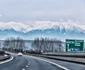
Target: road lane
x,y
37,63
16,64
68,65
27,63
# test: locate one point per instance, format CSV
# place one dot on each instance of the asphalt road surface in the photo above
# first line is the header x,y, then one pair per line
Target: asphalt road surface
x,y
37,63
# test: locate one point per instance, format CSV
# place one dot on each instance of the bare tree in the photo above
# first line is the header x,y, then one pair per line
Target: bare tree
x,y
48,45
14,44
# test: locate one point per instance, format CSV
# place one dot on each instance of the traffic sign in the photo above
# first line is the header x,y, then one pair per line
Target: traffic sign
x,y
74,45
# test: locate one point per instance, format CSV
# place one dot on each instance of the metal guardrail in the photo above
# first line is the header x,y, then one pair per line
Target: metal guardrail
x,y
68,54
62,58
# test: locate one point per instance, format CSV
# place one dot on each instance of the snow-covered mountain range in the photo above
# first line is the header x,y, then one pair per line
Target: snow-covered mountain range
x,y
31,30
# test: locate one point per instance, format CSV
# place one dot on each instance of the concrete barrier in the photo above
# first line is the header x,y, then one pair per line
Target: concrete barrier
x,y
2,57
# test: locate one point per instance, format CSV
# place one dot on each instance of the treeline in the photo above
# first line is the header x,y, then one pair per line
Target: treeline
x,y
38,45
14,44
48,45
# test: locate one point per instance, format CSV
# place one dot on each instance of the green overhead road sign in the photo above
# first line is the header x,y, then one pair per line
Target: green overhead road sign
x,y
74,45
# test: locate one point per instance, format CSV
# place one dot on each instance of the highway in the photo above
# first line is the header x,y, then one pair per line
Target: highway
x,y
26,62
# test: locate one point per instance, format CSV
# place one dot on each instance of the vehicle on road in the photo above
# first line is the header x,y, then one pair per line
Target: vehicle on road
x,y
19,54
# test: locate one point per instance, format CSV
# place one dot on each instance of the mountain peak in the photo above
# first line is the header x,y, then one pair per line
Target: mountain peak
x,y
42,25
35,29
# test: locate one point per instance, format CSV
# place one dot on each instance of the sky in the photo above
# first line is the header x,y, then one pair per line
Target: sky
x,y
42,10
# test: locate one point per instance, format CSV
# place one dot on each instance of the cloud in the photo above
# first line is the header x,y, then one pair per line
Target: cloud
x,y
0,15
41,25
52,10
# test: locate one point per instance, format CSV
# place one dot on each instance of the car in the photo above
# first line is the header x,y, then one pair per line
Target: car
x,y
19,54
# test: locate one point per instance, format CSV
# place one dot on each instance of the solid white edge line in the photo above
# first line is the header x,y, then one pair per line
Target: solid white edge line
x,y
51,63
7,60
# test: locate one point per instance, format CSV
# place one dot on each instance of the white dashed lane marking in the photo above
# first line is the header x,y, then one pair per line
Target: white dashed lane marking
x,y
28,62
27,66
23,69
